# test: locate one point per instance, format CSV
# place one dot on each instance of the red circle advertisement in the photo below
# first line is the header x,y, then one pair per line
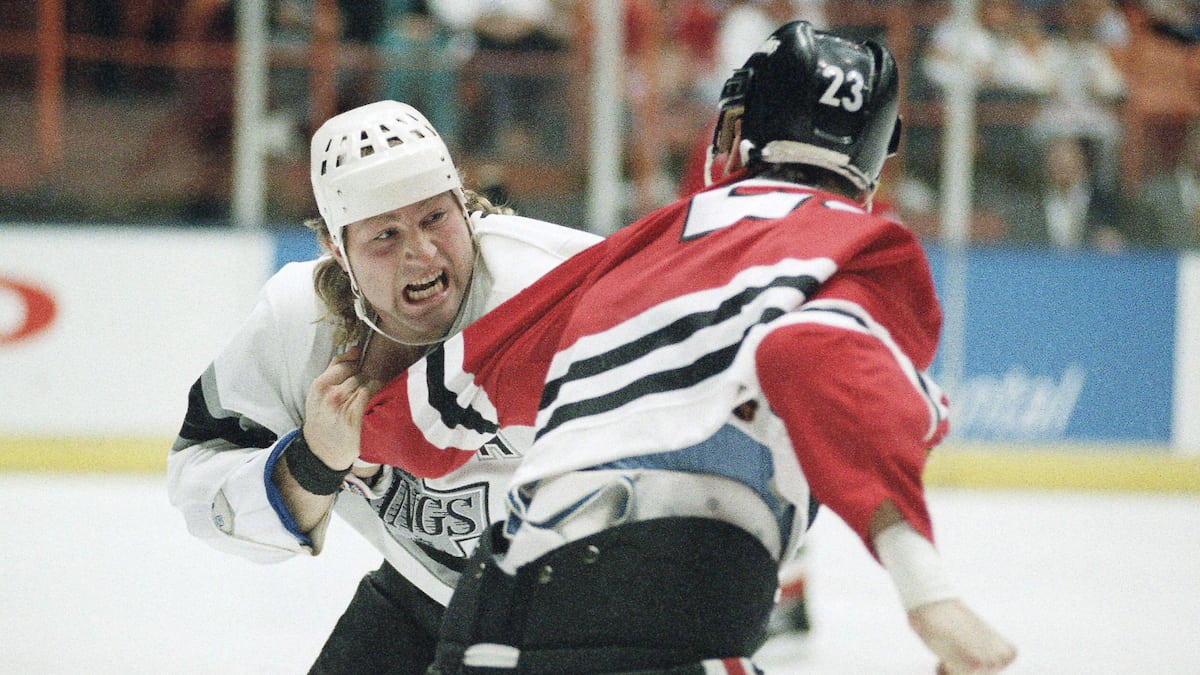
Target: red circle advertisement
x,y
36,310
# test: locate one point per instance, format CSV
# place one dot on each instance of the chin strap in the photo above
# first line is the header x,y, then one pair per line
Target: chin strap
x,y
360,309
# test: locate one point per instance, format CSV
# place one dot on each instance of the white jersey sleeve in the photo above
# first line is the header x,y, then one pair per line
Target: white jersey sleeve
x,y
248,401
250,397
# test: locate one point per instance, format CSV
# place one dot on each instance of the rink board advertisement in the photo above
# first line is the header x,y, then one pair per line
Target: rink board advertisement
x,y
103,330
1065,347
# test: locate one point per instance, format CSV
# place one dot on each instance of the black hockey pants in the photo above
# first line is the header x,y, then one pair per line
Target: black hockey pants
x,y
390,626
656,596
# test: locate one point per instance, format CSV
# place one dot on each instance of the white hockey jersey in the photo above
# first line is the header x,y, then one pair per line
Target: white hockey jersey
x,y
253,394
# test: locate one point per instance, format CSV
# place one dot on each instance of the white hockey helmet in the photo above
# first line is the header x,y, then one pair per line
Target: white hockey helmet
x,y
377,158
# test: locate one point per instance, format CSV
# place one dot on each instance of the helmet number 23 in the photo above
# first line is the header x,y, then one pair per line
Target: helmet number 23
x,y
837,77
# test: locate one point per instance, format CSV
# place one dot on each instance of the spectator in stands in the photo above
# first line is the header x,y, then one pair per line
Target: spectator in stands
x,y
693,26
1162,72
424,53
670,62
1086,88
685,31
1170,198
517,104
202,117
1002,49
1005,51
1071,211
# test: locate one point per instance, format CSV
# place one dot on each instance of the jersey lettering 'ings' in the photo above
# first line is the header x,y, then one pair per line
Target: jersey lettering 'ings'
x,y
440,519
647,319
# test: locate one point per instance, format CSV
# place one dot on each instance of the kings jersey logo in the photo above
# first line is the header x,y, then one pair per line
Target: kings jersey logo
x,y
443,520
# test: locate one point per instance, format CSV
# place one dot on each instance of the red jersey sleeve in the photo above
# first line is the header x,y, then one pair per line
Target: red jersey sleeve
x,y
859,425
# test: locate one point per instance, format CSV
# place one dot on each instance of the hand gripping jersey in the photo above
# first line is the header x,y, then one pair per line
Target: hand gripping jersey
x,y
685,323
253,394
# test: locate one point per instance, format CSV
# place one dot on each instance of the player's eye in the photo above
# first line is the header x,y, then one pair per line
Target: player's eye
x,y
435,218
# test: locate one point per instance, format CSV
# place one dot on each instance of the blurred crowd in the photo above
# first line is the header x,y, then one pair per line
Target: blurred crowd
x,y
1103,153
1087,136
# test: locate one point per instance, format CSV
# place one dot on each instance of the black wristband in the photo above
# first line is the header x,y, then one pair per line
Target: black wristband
x,y
310,471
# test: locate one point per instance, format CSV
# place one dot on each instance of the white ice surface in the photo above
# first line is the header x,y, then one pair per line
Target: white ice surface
x,y
98,575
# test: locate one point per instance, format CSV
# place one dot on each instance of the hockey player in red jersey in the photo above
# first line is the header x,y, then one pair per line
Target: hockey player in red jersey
x,y
694,384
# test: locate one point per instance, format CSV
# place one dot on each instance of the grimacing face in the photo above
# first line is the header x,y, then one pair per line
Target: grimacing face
x,y
413,265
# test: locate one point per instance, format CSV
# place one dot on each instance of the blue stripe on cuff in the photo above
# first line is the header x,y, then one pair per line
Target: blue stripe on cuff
x,y
273,494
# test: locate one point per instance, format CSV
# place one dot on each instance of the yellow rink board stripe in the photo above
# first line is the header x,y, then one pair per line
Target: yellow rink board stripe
x,y
101,455
1077,467
1073,467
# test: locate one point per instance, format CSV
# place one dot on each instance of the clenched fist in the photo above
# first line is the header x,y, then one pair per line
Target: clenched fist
x,y
334,408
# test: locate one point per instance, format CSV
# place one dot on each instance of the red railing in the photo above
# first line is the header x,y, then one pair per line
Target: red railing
x,y
52,49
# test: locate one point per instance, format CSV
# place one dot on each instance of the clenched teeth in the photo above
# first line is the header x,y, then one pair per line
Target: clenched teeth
x,y
425,288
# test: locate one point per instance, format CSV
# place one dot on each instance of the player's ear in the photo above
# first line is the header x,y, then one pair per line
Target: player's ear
x,y
333,250
337,255
324,239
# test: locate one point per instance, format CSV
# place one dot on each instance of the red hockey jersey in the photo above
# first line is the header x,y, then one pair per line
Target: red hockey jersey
x,y
648,341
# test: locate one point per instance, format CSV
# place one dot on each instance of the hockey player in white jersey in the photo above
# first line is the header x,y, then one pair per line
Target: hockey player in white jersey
x,y
697,379
266,450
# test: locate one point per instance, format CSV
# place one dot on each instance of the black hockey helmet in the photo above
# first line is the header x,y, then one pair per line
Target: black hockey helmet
x,y
811,97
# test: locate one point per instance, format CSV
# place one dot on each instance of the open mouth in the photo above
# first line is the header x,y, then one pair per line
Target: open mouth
x,y
426,288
